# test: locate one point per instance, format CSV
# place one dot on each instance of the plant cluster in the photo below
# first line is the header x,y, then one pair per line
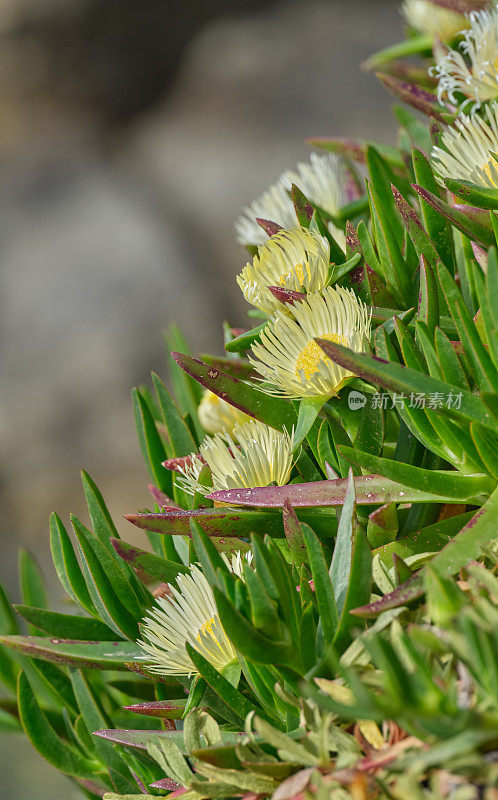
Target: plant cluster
x,y
314,612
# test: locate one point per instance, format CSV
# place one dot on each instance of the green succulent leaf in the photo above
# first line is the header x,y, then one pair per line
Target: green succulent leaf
x,y
71,652
60,754
272,411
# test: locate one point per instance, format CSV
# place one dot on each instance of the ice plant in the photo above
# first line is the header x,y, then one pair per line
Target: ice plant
x,y
292,362
374,545
471,69
319,180
297,259
218,416
262,456
469,149
433,20
187,614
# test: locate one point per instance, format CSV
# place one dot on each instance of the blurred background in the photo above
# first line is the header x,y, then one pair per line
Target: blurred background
x,y
131,134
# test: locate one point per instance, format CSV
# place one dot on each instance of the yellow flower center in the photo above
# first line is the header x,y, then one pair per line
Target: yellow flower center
x,y
206,629
298,270
311,355
487,170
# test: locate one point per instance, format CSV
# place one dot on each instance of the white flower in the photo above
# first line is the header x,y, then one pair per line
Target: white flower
x,y
188,615
432,19
264,456
288,356
319,180
475,75
469,150
218,416
295,259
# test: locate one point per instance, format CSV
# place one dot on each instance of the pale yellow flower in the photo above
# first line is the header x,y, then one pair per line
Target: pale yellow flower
x,y
218,416
296,259
319,180
263,456
469,150
290,360
188,614
472,69
433,20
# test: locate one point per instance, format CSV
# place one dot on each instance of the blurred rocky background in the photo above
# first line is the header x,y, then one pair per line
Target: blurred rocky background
x,y
131,133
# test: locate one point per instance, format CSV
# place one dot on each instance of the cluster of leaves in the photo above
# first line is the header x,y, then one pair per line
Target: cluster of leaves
x,y
337,692
432,674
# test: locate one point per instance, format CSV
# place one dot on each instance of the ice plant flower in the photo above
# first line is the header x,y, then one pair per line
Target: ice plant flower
x,y
319,180
187,614
218,416
469,149
296,259
263,456
433,20
292,362
472,69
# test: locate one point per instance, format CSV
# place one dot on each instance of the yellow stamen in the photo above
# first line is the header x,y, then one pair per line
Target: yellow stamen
x,y
207,630
487,169
311,355
298,269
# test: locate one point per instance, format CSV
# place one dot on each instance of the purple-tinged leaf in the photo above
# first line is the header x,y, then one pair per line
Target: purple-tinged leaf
x,y
474,230
352,182
286,295
416,97
436,133
382,525
462,6
481,256
272,411
236,367
302,206
356,149
362,278
478,215
179,463
473,195
369,489
161,498
74,653
294,786
269,227
167,709
91,786
156,567
167,785
350,148
418,235
223,522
